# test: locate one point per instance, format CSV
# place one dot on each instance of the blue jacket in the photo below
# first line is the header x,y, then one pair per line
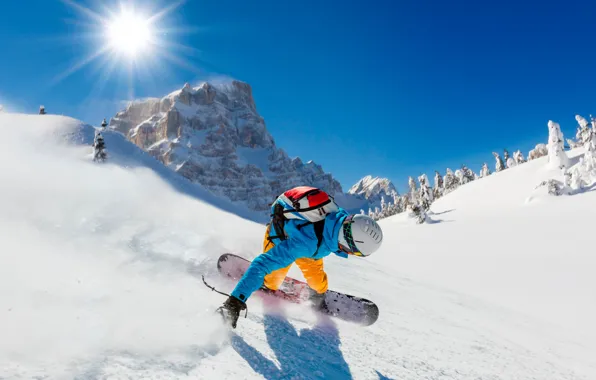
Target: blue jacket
x,y
300,243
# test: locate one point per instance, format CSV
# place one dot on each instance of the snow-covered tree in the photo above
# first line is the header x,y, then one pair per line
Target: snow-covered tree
x,y
438,188
438,180
539,151
384,211
485,171
104,124
450,181
42,110
467,175
554,186
557,157
418,213
583,174
99,147
499,165
583,131
505,155
413,189
459,175
511,162
425,193
519,157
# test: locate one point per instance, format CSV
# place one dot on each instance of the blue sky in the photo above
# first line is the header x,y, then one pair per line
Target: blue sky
x,y
388,88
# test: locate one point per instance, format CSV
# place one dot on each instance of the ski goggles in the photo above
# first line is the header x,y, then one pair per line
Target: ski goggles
x,y
348,239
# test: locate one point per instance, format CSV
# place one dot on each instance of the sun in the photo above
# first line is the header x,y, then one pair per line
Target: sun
x,y
135,40
130,34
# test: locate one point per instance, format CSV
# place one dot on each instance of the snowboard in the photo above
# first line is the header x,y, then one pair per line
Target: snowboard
x,y
339,305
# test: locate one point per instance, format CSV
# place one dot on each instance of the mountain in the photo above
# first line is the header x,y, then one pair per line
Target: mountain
x,y
101,271
213,135
373,189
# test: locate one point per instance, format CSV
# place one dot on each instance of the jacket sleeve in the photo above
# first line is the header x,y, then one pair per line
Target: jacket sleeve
x,y
280,256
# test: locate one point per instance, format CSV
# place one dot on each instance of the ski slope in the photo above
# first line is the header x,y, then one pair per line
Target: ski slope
x,y
100,278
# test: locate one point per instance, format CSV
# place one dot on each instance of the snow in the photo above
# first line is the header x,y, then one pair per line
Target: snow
x,y
100,277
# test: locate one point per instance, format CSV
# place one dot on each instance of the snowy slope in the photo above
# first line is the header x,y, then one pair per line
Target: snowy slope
x,y
100,278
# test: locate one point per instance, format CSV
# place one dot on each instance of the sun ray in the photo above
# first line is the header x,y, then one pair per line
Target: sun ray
x,y
93,15
161,14
180,62
79,65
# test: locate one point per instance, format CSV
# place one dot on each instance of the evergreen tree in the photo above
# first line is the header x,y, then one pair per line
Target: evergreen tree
x,y
42,110
450,181
557,157
406,202
399,204
583,131
413,190
467,175
438,180
104,124
99,147
438,188
485,172
384,212
419,213
519,157
425,193
500,165
539,151
459,175
505,155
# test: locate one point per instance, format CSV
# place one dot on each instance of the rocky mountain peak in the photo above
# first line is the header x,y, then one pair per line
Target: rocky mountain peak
x,y
213,135
373,188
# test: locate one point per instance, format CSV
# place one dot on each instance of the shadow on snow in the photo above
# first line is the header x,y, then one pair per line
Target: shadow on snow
x,y
310,353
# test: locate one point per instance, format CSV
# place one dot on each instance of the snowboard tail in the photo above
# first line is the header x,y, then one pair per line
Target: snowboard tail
x,y
343,306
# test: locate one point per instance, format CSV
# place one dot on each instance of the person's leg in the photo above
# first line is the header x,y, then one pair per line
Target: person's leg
x,y
274,279
315,275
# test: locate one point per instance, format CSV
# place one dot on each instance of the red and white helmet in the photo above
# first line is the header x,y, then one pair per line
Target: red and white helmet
x,y
360,235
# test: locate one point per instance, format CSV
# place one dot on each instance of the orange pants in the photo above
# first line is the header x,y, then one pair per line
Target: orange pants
x,y
312,270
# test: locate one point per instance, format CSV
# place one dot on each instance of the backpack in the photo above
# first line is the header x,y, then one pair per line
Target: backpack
x,y
304,203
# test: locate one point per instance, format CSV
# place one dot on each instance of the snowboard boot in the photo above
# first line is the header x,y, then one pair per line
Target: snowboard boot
x,y
317,301
230,310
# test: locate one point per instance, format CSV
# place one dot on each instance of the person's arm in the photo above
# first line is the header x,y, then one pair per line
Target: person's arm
x,y
280,256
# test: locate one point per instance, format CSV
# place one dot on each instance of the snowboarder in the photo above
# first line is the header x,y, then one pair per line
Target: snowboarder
x,y
307,226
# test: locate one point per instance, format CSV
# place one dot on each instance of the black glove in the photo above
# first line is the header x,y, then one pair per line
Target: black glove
x,y
230,310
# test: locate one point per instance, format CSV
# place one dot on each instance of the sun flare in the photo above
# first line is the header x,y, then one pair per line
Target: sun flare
x,y
134,40
129,34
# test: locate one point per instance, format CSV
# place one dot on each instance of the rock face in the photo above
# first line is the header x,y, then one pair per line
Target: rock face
x,y
213,135
372,189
